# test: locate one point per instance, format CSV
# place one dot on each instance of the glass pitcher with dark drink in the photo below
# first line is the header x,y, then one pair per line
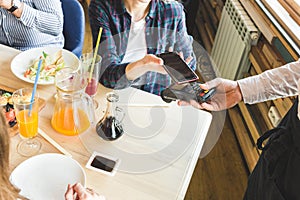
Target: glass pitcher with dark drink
x,y
110,126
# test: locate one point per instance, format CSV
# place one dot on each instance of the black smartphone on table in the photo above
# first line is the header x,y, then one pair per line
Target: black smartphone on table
x,y
177,68
103,163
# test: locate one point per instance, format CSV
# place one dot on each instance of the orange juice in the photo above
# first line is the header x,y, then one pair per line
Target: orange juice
x,y
28,125
63,121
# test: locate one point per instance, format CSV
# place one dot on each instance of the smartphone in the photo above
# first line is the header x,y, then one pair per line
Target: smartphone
x,y
177,68
103,163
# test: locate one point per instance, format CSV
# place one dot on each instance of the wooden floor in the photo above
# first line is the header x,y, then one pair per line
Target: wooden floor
x,y
221,175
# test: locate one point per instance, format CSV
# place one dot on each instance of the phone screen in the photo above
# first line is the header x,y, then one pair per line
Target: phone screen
x,y
179,71
102,163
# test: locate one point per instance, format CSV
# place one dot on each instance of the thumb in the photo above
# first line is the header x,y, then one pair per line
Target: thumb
x,y
79,188
212,83
159,61
204,86
69,195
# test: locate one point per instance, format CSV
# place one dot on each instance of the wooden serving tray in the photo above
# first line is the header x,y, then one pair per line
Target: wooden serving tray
x,y
14,130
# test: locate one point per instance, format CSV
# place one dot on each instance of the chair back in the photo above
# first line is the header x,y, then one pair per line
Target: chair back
x,y
74,26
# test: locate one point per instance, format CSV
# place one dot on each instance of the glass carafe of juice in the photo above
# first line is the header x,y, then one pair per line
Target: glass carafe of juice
x,y
73,111
110,126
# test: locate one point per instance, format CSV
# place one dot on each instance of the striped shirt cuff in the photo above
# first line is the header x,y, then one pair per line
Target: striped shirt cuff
x,y
28,15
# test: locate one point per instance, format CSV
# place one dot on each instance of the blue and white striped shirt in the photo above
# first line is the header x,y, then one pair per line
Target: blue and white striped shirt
x,y
41,24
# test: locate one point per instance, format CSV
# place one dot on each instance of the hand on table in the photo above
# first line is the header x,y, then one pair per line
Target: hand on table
x,y
78,192
228,95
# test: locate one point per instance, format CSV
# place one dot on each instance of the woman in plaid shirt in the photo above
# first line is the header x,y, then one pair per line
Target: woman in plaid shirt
x,y
134,31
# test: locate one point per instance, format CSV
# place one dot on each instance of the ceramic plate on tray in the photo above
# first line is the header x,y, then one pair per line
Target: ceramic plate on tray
x,y
25,59
46,176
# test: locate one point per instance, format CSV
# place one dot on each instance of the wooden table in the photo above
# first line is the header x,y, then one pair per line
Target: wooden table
x,y
170,182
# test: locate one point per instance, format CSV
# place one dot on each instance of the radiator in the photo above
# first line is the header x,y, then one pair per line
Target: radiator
x,y
235,35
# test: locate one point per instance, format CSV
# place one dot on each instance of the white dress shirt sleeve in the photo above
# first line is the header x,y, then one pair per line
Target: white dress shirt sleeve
x,y
272,84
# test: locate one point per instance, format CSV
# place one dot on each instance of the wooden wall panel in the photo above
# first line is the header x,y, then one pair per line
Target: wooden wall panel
x,y
249,122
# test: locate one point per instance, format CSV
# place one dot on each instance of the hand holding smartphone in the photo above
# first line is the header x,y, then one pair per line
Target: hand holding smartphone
x,y
177,68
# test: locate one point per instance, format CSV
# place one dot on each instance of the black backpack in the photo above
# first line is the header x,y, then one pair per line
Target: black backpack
x,y
276,175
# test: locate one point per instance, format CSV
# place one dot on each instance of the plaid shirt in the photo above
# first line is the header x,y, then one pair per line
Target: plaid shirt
x,y
165,28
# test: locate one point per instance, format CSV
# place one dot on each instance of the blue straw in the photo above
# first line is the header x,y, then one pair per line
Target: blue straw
x,y
35,85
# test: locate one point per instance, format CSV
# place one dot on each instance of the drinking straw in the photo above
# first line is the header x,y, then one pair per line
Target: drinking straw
x,y
35,85
95,53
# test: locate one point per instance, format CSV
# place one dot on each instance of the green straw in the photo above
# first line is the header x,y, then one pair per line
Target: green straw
x,y
95,53
35,85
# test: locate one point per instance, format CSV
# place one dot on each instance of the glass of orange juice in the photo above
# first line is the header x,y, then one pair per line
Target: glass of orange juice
x,y
27,119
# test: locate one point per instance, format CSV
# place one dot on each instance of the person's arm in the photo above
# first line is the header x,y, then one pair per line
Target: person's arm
x,y
183,41
8,4
271,84
46,16
228,94
115,74
149,63
112,73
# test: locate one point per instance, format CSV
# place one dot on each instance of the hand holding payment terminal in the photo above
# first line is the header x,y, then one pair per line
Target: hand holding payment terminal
x,y
187,92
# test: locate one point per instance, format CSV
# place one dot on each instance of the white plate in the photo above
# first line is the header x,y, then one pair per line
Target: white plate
x,y
22,61
47,176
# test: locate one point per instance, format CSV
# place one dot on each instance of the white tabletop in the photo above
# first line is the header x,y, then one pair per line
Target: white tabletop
x,y
158,151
